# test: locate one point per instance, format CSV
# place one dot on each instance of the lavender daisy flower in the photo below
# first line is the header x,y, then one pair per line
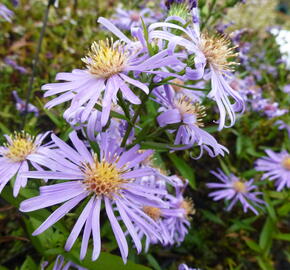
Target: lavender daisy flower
x,y
183,266
213,52
108,64
14,65
126,19
108,178
20,105
6,13
276,167
61,265
282,125
15,156
190,116
232,188
286,88
174,219
270,109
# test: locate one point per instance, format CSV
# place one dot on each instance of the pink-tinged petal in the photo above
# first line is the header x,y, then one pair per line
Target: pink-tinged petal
x,y
79,225
129,225
68,151
169,117
117,230
136,83
52,175
47,200
112,28
59,213
20,179
96,229
80,146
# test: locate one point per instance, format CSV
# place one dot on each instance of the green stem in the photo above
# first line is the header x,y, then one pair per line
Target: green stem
x,y
35,60
135,116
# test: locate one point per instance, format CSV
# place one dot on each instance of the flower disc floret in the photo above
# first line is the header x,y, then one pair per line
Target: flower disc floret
x,y
153,212
106,58
103,178
239,186
20,146
217,50
286,163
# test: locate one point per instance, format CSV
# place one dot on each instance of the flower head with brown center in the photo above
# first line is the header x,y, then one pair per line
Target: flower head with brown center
x,y
239,186
286,163
103,178
106,58
20,147
185,106
217,51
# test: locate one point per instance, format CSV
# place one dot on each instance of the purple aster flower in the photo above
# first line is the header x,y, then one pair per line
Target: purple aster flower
x,y
126,19
174,220
20,105
109,179
234,189
269,108
15,156
183,266
190,116
108,64
286,88
61,265
213,52
14,65
6,13
282,125
15,3
276,167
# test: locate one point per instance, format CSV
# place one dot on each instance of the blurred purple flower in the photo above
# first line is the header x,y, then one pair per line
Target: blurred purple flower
x,y
270,109
15,66
107,66
286,88
60,265
190,115
282,125
109,178
16,155
183,266
174,219
126,19
276,167
232,188
6,13
20,105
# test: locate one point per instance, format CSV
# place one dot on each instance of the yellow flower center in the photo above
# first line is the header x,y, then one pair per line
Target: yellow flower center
x,y
286,163
239,186
187,205
153,212
103,178
185,106
106,58
21,146
217,51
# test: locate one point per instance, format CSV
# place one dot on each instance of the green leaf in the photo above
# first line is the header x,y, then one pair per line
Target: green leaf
x,y
212,217
253,245
282,236
264,264
29,264
269,206
105,261
184,168
153,262
265,239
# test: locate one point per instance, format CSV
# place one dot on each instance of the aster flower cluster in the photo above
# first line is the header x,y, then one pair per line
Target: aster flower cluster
x,y
104,170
